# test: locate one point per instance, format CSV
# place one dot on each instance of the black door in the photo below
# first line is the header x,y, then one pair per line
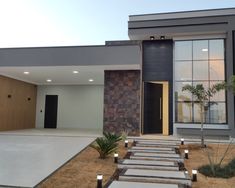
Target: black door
x,y
152,108
51,104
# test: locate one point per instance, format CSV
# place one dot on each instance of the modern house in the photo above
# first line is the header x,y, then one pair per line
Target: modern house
x,y
135,86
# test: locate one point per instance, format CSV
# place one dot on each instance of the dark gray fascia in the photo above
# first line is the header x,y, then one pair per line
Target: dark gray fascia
x,y
71,56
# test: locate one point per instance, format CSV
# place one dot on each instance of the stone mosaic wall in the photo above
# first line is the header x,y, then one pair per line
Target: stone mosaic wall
x,y
122,101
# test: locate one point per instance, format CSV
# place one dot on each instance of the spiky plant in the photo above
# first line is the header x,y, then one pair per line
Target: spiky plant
x,y
231,84
112,137
106,145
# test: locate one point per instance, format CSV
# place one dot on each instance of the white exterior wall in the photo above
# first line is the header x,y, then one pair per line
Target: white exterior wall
x,y
79,107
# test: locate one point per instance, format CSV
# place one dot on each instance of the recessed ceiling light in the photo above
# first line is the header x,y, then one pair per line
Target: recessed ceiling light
x,y
91,80
26,72
205,50
49,80
75,72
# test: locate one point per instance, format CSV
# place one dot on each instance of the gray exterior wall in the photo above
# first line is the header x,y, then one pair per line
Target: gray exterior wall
x,y
65,56
187,25
183,14
122,53
141,28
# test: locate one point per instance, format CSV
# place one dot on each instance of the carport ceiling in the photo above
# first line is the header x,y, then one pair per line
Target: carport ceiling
x,y
63,75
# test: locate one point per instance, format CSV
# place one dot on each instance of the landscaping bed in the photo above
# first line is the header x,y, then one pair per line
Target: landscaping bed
x,y
81,171
199,157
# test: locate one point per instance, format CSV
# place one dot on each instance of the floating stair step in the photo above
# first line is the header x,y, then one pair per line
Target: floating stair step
x,y
158,143
157,155
156,176
174,142
147,164
155,139
144,144
181,160
126,184
146,150
153,148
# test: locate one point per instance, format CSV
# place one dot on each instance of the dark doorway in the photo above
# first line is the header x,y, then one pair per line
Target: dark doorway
x,y
157,65
51,105
152,108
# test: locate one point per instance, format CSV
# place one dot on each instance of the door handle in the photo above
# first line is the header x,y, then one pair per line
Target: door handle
x,y
160,109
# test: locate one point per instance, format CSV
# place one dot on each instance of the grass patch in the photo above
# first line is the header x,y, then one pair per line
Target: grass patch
x,y
227,171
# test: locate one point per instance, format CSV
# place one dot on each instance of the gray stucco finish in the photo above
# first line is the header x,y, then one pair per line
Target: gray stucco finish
x,y
66,56
221,22
184,14
180,27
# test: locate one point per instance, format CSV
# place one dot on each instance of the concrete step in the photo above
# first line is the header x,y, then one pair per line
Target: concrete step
x,y
157,143
157,155
156,176
181,160
177,140
126,184
147,164
153,148
146,150
146,144
174,142
165,138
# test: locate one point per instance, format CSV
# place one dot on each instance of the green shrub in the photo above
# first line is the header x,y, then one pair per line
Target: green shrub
x,y
124,135
106,145
112,137
221,172
215,159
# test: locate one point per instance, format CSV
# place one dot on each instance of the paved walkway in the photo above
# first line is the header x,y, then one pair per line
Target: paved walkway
x,y
152,163
27,158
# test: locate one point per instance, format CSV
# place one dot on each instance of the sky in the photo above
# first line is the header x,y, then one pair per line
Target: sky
x,y
37,23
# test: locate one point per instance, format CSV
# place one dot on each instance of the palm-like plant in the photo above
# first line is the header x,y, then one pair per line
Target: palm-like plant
x,y
112,137
202,96
106,145
231,84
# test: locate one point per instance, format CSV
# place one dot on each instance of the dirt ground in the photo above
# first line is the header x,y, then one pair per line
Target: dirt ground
x,y
81,171
198,157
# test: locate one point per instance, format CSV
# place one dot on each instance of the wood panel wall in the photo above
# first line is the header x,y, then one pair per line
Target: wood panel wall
x,y
17,104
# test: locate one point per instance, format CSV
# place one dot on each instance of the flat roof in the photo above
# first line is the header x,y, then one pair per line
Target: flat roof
x,y
183,14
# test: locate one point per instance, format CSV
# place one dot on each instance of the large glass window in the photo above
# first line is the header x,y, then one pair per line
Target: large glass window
x,y
199,62
183,50
200,70
184,70
200,50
